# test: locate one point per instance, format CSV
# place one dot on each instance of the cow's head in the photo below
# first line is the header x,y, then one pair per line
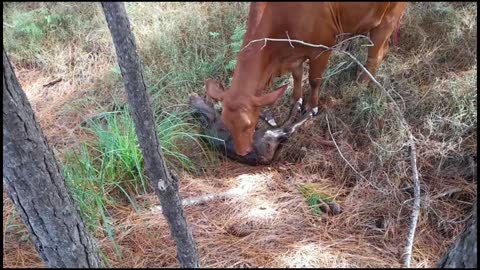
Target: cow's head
x,y
241,111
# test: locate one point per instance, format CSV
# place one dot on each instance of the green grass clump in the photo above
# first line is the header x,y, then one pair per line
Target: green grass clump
x,y
109,169
30,28
313,197
118,145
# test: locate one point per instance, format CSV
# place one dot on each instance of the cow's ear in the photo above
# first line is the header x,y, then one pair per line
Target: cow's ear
x,y
270,98
215,89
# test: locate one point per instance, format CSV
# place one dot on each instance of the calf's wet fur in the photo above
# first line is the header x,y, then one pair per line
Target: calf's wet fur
x,y
266,143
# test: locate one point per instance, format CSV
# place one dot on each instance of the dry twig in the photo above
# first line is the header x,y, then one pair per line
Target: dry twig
x,y
340,152
52,83
199,200
411,139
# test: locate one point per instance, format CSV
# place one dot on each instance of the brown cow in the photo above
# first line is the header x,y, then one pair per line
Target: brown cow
x,y
317,23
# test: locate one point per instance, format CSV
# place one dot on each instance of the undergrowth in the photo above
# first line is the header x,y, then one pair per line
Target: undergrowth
x,y
109,169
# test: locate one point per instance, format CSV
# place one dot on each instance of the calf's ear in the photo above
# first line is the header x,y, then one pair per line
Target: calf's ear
x,y
270,98
214,89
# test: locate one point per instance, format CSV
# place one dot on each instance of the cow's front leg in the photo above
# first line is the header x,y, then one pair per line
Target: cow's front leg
x,y
376,53
317,68
296,100
297,96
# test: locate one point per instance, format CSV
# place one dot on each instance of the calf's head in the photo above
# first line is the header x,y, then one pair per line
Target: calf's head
x,y
241,110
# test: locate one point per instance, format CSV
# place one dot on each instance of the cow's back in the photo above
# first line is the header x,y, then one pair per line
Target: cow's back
x,y
317,22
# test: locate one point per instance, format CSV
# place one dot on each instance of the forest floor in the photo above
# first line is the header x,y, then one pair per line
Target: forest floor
x,y
270,220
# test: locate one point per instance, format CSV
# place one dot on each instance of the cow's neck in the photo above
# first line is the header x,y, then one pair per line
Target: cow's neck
x,y
254,71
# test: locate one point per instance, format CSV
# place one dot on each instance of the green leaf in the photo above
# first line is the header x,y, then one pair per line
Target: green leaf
x,y
214,34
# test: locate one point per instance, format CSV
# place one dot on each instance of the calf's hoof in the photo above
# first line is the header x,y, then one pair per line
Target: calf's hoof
x,y
268,118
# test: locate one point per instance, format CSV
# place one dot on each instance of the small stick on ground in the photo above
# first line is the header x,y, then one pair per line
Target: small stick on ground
x,y
52,83
199,200
327,143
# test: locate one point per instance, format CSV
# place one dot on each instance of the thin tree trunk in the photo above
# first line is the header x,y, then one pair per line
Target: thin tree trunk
x,y
463,253
37,187
164,183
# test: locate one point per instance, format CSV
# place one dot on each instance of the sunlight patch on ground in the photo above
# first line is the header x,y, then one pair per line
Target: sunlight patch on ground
x,y
313,256
249,183
261,209
246,185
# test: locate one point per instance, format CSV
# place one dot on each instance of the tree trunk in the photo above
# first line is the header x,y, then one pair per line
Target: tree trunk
x,y
463,253
164,183
37,187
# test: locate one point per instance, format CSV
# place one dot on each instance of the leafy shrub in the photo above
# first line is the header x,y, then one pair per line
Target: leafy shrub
x,y
235,45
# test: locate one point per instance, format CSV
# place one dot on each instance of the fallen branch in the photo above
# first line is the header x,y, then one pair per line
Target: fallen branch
x,y
326,143
199,200
411,139
416,203
233,193
446,193
413,160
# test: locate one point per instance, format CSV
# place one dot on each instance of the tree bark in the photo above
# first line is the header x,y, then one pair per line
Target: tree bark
x,y
164,183
463,253
36,186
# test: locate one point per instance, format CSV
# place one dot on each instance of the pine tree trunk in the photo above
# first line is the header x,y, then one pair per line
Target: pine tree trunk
x,y
37,187
463,253
164,183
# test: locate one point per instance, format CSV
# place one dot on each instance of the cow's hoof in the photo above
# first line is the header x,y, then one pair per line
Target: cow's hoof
x,y
314,111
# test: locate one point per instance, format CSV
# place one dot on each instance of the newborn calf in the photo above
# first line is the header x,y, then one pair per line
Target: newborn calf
x,y
266,142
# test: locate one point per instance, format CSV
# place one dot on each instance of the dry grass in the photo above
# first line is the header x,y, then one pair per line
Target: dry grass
x,y
269,224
